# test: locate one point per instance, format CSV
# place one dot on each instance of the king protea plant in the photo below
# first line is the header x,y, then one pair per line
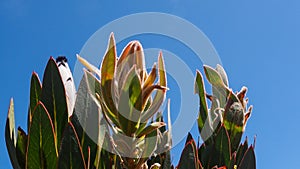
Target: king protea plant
x,y
221,127
125,98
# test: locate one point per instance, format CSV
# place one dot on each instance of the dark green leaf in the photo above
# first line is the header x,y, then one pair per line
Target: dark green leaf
x,y
70,152
54,98
167,161
105,159
42,152
21,147
234,122
205,154
189,156
232,161
249,161
222,147
241,151
86,118
203,120
35,94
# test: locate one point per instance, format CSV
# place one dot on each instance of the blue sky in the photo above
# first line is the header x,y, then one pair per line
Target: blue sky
x,y
257,41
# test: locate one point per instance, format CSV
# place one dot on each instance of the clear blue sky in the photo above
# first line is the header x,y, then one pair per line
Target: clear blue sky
x,y
258,42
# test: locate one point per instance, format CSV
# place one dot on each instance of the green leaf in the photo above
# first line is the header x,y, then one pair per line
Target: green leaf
x,y
220,90
162,71
160,94
93,85
35,94
132,54
189,155
167,161
21,147
70,153
129,113
222,147
232,162
42,152
10,137
234,121
86,118
150,144
108,67
223,74
150,128
140,60
88,144
146,93
249,161
204,121
109,61
89,66
205,154
54,98
105,159
241,151
125,63
151,78
127,52
189,138
215,79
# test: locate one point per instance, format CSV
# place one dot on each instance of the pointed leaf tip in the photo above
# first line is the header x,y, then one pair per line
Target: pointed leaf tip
x,y
88,65
162,70
223,74
41,140
10,136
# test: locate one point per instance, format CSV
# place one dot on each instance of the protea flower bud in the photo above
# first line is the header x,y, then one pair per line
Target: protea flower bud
x,y
67,79
235,114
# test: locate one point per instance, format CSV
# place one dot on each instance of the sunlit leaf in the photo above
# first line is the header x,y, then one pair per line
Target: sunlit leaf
x,y
10,137
89,66
160,94
153,126
108,67
200,90
129,113
223,74
151,78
